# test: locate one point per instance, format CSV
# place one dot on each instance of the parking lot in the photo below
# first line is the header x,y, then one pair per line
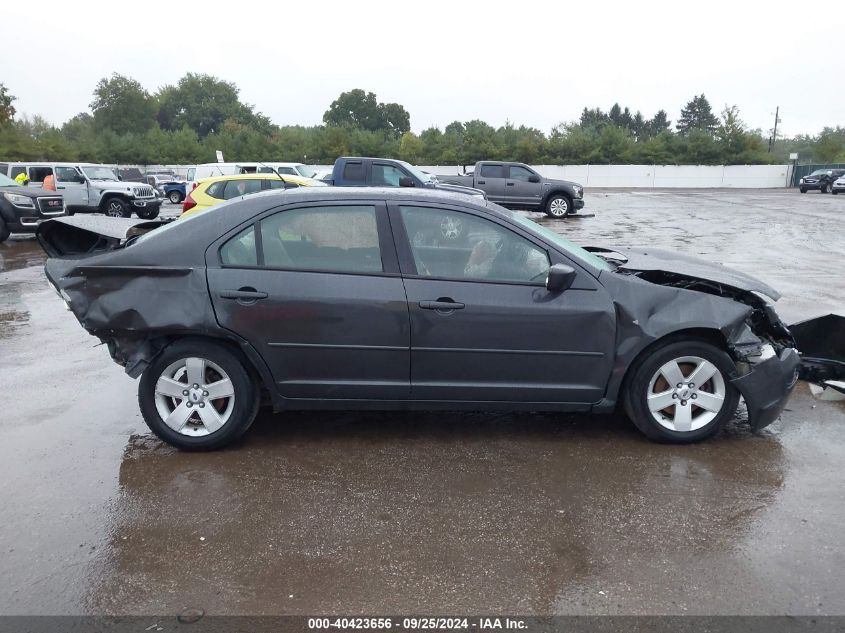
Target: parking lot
x,y
383,513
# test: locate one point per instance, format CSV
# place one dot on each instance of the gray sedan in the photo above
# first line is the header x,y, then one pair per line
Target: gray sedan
x,y
340,298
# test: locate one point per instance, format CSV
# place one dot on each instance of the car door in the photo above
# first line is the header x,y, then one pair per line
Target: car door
x,y
72,186
483,326
491,179
316,290
519,190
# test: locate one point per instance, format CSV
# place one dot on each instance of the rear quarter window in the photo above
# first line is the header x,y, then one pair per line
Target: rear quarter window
x,y
354,172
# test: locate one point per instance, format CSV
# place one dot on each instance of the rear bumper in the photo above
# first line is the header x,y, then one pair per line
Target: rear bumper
x,y
766,388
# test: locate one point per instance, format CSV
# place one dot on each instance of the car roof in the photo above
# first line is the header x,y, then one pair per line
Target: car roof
x,y
299,180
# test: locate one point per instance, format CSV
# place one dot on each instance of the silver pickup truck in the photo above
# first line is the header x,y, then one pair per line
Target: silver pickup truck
x,y
517,186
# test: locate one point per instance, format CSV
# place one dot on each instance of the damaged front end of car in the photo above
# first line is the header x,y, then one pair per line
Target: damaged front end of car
x,y
770,357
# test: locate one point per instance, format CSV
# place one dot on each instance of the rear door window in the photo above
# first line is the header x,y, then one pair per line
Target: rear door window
x,y
215,189
17,170
38,174
241,249
237,188
340,239
353,171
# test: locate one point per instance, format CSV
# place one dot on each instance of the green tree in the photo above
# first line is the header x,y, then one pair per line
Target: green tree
x,y
362,110
697,115
829,146
411,148
7,110
122,105
204,103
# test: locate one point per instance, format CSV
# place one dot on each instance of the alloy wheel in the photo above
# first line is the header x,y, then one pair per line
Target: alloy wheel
x,y
194,396
559,207
686,394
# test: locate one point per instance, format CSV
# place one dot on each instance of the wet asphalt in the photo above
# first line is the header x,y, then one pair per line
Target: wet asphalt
x,y
378,513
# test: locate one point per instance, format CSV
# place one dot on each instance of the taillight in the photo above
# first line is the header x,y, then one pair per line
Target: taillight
x,y
194,185
188,203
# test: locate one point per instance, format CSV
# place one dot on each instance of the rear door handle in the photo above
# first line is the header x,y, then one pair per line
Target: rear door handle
x,y
510,184
243,294
441,305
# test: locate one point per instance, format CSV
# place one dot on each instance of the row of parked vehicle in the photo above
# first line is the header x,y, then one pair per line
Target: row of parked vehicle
x,y
824,180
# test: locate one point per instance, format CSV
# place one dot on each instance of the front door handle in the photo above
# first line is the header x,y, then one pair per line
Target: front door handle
x,y
245,294
510,184
442,305
482,182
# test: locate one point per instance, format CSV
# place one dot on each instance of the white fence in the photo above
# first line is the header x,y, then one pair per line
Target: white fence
x,y
650,176
638,176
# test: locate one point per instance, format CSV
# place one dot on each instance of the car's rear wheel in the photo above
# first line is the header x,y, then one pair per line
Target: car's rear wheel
x,y
681,392
197,396
834,192
825,188
558,206
117,208
175,197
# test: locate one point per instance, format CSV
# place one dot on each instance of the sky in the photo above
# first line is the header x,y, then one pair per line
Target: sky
x,y
531,63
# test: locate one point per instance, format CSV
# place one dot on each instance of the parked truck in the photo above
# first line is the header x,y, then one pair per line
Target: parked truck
x,y
356,171
518,186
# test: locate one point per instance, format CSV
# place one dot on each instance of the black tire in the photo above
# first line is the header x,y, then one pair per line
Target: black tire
x,y
4,231
243,408
117,208
802,190
638,386
834,192
558,206
825,188
175,197
148,213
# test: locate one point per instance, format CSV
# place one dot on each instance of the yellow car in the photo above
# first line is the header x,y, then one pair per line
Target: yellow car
x,y
212,191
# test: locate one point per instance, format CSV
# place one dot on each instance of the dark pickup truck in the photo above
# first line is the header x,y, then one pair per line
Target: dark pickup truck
x,y
517,186
355,171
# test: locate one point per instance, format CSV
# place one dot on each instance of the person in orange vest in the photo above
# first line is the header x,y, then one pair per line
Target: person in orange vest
x,y
49,183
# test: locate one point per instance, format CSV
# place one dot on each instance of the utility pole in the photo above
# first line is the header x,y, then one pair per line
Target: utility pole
x,y
774,131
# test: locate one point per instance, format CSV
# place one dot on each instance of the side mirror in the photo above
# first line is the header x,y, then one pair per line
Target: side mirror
x,y
533,178
560,277
407,181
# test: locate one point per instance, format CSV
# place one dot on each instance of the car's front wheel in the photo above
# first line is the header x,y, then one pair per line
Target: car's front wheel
x,y
558,206
825,188
4,231
681,392
117,208
197,396
148,213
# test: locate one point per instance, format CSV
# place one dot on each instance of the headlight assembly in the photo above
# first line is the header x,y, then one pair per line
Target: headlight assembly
x,y
20,201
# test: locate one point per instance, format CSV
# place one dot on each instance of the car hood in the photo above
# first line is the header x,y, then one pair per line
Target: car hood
x,y
29,192
557,183
656,260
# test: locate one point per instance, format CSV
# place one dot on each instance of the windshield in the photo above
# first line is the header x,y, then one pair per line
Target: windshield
x,y
424,177
305,170
99,173
5,181
558,240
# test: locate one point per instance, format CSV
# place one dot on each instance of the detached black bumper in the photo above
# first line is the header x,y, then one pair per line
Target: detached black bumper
x,y
766,388
578,203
